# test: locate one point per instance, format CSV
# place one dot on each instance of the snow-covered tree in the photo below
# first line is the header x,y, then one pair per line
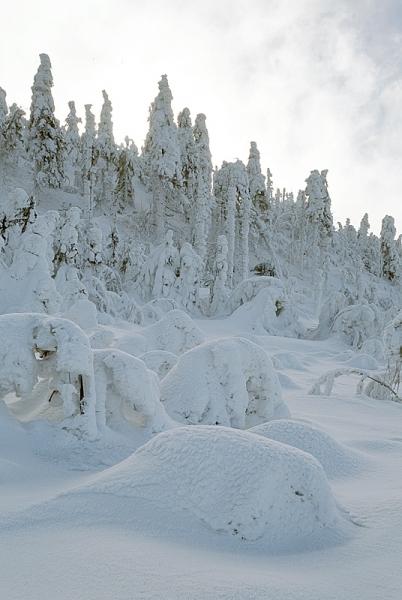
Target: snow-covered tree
x,y
88,159
256,179
127,168
202,208
219,292
188,155
319,204
46,139
231,189
106,157
3,108
389,253
162,158
13,132
73,142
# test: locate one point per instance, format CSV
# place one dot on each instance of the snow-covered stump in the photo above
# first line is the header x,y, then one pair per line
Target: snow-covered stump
x,y
126,391
41,347
228,382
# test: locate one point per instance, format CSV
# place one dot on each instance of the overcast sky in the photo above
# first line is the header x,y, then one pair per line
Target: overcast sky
x,y
316,83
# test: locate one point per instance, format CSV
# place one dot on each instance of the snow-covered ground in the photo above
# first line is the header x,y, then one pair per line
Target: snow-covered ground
x,y
76,522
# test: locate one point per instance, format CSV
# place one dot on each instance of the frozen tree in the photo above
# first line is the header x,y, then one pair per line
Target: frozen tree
x,y
68,237
106,157
319,204
188,155
13,132
219,292
389,253
127,168
202,208
162,157
3,114
189,277
269,188
46,140
88,158
231,188
256,179
158,274
73,142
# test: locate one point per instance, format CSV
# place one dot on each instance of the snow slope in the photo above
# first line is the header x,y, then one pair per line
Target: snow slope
x,y
102,536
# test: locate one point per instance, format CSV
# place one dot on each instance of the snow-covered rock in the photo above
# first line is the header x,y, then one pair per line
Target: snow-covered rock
x,y
230,381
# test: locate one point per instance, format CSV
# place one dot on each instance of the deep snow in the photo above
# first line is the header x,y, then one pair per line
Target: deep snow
x,y
65,530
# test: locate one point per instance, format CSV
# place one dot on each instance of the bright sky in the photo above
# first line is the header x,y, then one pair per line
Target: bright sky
x,y
316,83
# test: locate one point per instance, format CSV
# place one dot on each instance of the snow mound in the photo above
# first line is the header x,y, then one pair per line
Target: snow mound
x,y
176,332
356,324
362,361
126,391
337,460
159,361
287,360
229,382
270,311
250,288
234,482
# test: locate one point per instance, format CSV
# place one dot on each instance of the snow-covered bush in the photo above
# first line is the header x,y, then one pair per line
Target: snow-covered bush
x,y
233,482
249,288
176,332
57,351
270,311
126,391
357,323
230,382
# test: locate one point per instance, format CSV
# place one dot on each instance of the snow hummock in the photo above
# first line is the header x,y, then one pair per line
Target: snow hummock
x,y
336,459
233,482
176,332
230,381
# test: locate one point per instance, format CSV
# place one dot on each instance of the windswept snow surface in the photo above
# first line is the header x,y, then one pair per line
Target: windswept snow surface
x,y
90,519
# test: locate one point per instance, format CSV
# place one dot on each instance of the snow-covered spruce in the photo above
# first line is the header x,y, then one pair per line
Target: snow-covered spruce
x,y
228,382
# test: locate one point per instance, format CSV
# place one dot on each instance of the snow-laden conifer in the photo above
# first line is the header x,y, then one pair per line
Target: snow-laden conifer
x,y
46,139
162,157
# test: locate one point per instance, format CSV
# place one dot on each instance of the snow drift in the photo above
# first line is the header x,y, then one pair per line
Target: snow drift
x,y
234,482
336,459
